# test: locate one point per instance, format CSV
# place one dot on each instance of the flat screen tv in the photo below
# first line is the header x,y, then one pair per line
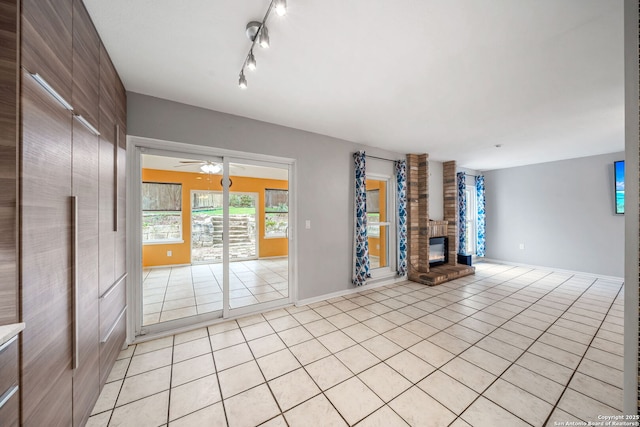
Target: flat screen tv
x,y
618,168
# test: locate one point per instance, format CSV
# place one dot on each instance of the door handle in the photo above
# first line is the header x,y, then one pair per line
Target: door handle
x,y
74,280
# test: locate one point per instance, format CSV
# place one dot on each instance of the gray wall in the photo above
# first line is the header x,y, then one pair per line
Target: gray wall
x,y
324,177
563,213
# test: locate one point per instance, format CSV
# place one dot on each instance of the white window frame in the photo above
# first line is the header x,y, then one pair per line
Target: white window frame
x,y
286,232
174,241
472,219
392,244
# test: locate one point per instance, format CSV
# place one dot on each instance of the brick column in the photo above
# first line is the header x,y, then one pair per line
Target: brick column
x,y
450,192
418,214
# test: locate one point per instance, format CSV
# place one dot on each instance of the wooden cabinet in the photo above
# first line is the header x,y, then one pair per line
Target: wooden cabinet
x,y
45,239
46,41
9,409
8,165
111,213
71,197
84,183
86,65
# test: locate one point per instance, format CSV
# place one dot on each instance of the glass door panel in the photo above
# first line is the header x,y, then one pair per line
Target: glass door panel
x,y
258,202
176,289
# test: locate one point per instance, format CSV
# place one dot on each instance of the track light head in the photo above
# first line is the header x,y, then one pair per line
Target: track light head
x,y
242,82
251,61
281,7
263,37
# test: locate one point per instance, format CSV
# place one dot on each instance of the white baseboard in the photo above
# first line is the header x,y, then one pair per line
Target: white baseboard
x,y
542,267
351,291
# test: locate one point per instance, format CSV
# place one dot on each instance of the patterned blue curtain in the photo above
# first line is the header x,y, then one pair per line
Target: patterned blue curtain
x,y
401,182
480,225
462,213
360,242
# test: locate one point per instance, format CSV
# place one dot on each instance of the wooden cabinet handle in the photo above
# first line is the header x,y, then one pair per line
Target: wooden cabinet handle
x,y
115,178
86,124
74,280
4,346
113,327
113,287
46,86
7,395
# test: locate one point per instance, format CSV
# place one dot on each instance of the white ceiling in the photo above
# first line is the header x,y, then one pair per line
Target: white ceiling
x,y
453,78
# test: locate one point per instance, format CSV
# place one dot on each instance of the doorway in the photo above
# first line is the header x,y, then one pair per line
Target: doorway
x,y
214,237
207,225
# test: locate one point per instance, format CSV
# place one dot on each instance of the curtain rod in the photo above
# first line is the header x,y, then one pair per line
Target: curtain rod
x,y
380,158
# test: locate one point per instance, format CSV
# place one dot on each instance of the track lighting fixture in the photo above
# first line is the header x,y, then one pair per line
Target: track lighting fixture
x,y
258,33
251,61
243,81
263,37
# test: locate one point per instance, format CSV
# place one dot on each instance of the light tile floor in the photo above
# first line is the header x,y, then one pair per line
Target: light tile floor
x,y
510,346
171,293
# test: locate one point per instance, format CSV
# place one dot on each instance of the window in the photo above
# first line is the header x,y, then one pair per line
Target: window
x,y
378,226
373,212
472,214
161,212
276,213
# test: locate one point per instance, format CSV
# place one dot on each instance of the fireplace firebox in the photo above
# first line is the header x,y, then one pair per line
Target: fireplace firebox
x,y
438,251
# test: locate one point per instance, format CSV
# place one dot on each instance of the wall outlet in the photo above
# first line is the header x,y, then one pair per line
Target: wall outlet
x,y
521,245
169,253
307,224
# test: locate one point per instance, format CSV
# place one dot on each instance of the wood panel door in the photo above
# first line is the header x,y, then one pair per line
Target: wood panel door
x,y
46,41
86,65
106,172
86,97
45,240
121,178
86,380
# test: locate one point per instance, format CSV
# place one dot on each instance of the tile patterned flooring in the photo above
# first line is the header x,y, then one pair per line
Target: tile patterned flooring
x,y
510,346
171,293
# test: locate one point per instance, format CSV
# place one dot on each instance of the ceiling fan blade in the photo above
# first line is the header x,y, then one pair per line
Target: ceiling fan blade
x,y
193,161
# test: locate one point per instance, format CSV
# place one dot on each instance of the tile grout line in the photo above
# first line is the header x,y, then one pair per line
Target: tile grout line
x,y
215,369
255,360
173,347
581,359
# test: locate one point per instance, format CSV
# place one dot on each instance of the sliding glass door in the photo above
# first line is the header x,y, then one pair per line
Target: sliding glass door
x,y
263,281
214,238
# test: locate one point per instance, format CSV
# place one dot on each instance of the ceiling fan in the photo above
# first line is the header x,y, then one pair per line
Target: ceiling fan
x,y
206,166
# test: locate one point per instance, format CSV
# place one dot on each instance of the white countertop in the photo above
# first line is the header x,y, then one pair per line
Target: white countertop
x,y
9,331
